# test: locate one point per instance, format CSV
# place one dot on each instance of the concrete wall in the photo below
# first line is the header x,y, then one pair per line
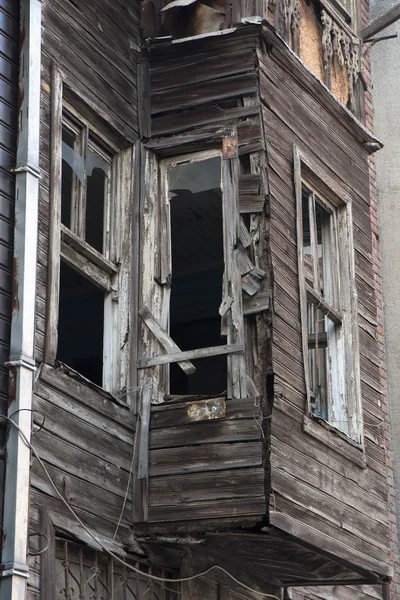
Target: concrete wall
x,y
385,58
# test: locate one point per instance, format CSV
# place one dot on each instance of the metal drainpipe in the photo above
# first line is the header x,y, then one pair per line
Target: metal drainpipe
x,y
14,568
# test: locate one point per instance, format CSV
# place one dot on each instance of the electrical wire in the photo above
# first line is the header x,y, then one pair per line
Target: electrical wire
x,y
115,556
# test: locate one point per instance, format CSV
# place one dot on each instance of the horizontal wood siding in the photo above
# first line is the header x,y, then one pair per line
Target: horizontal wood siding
x,y
96,46
198,86
85,440
312,482
207,469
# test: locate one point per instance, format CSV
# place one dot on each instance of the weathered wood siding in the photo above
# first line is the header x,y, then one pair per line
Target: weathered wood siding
x,y
85,439
211,469
9,53
319,485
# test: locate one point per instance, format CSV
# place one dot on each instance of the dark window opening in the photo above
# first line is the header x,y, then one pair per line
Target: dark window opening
x,y
80,324
96,190
197,272
67,177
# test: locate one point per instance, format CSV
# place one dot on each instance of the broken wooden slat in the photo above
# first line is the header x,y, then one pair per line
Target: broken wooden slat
x,y
250,184
251,203
244,263
206,410
250,285
165,340
165,359
225,305
244,234
95,274
256,303
258,273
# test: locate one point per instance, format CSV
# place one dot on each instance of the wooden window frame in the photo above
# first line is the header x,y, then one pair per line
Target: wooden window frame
x,y
344,312
234,349
107,270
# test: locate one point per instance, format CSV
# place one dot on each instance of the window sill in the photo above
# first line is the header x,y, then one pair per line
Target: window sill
x,y
338,441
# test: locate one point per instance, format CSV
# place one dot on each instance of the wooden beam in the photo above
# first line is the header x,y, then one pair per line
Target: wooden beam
x,y
190,355
389,17
166,342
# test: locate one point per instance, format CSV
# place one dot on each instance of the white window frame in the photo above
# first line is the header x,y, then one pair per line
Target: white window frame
x,y
345,407
109,270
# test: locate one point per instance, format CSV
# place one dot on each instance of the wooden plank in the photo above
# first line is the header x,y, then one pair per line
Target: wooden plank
x,y
175,414
251,203
256,304
209,432
53,277
235,324
389,17
84,248
199,93
48,558
165,340
198,487
80,263
250,184
205,410
190,355
209,457
250,285
144,95
231,508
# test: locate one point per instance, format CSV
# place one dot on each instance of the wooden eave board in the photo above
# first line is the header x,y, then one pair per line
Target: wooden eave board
x,y
272,558
281,52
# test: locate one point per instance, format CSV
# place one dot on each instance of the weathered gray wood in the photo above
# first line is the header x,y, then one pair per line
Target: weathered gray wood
x,y
53,278
165,340
74,259
88,251
326,543
143,467
250,285
235,331
144,94
210,457
389,17
48,558
251,204
190,355
205,410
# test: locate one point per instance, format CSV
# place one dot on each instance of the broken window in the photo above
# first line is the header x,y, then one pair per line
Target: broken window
x,y
328,302
192,289
197,254
88,271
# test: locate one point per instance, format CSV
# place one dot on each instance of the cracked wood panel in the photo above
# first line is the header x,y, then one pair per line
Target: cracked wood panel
x,y
292,115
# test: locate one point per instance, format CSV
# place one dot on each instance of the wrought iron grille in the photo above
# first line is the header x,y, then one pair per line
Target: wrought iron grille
x,y
84,574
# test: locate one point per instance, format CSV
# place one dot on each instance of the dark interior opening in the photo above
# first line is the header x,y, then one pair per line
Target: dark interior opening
x,y
67,178
96,189
80,324
197,273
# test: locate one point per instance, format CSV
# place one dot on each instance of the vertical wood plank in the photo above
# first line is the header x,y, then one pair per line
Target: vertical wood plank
x,y
237,383
47,558
53,276
303,299
143,87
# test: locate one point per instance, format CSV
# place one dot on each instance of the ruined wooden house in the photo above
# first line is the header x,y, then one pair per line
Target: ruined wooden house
x,y
203,352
